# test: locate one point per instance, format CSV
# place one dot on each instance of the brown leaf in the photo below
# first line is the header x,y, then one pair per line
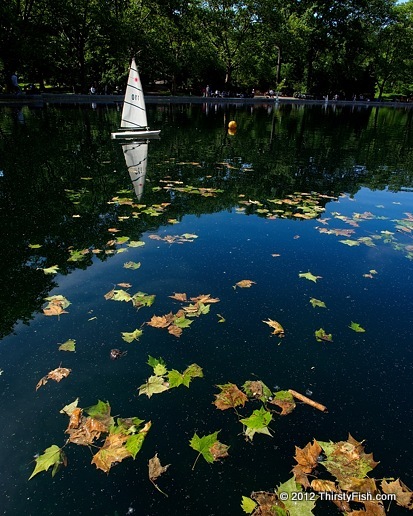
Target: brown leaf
x,y
326,486
113,450
359,485
109,294
245,283
179,297
307,460
162,321
404,495
287,406
113,230
175,330
266,502
219,450
54,309
155,468
278,329
87,431
57,374
75,418
229,397
125,285
205,299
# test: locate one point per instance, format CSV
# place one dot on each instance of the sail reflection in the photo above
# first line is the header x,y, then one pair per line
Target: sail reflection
x,y
136,157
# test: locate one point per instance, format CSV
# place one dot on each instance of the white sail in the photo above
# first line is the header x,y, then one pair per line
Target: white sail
x,y
136,157
134,123
134,109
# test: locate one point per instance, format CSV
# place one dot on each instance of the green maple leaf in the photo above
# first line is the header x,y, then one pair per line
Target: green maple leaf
x,y
160,370
208,446
350,242
321,335
298,508
182,322
153,362
257,423
175,378
316,302
69,345
51,270
76,255
130,337
136,243
122,240
154,385
52,457
142,299
134,443
309,276
248,505
132,265
356,327
101,412
121,295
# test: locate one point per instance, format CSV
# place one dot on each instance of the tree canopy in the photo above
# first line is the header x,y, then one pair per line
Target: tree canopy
x,y
338,47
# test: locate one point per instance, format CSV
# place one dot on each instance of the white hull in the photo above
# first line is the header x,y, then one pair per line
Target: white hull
x,y
127,135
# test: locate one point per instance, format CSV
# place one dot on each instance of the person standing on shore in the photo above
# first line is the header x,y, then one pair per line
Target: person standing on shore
x,y
15,84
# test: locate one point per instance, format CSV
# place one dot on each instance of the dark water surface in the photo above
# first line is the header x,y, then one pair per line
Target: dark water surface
x,y
60,173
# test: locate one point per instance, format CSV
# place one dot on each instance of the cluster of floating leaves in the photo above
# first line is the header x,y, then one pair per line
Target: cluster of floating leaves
x,y
162,380
345,461
344,480
123,437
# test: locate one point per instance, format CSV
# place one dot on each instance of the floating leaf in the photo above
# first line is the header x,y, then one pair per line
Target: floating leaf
x,y
321,335
69,345
175,378
154,362
356,327
57,305
257,423
51,270
350,243
182,322
154,385
309,276
229,397
136,243
257,389
130,337
179,297
347,459
316,302
206,445
142,299
248,505
68,409
35,246
122,240
404,495
162,321
57,375
307,461
246,283
52,457
302,508
285,401
118,295
278,329
156,470
221,319
132,265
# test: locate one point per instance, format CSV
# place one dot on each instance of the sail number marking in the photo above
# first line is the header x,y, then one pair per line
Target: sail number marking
x,y
134,96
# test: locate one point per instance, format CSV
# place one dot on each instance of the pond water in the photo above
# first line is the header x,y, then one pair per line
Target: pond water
x,y
296,190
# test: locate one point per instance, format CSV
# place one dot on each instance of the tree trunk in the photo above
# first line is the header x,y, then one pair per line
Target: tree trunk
x,y
278,69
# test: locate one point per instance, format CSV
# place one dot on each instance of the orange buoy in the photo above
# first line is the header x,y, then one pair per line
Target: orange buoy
x,y
232,125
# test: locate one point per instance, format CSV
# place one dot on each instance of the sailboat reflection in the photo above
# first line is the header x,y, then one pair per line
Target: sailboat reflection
x,y
136,157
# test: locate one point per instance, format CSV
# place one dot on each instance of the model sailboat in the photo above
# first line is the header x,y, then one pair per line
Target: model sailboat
x,y
134,123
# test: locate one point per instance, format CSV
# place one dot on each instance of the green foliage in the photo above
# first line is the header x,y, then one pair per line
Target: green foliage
x,y
248,505
52,457
257,423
